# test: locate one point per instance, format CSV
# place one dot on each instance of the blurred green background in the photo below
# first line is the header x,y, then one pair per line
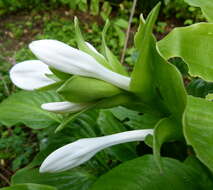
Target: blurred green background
x,y
22,21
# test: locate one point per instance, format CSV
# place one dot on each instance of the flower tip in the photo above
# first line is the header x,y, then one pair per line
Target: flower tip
x,y
42,169
75,19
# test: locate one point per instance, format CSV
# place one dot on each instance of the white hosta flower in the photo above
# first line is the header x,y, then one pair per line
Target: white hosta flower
x,y
80,151
30,75
70,60
63,107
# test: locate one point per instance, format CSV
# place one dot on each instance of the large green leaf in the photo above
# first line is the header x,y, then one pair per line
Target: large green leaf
x,y
157,82
110,125
75,179
24,107
198,128
194,44
205,5
29,186
206,177
143,173
142,75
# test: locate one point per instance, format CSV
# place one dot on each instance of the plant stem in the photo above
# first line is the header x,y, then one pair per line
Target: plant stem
x,y
128,31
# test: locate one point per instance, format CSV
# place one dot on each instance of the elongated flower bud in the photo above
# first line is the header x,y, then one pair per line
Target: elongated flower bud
x,y
78,152
30,75
70,60
64,107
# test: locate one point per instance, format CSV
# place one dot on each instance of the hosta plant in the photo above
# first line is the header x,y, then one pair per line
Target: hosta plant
x,y
109,129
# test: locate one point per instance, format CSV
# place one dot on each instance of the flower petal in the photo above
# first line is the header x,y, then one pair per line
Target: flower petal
x,y
74,61
30,75
82,150
64,107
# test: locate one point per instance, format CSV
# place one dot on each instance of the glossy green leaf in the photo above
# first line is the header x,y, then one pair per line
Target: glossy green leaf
x,y
155,81
143,173
194,44
206,177
29,186
112,59
142,76
198,128
24,107
75,179
134,119
84,89
110,125
205,5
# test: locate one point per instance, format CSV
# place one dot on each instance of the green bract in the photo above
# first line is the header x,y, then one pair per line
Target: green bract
x,y
84,89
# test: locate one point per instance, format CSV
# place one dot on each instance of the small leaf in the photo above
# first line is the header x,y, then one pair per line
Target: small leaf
x,y
205,5
84,47
94,7
112,59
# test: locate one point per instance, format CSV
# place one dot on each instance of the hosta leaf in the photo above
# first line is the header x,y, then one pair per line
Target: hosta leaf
x,y
110,125
181,42
29,186
75,179
198,128
143,173
134,119
142,76
157,82
206,177
24,107
205,5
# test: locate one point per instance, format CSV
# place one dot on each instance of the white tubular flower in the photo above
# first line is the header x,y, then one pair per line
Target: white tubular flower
x,y
64,107
30,75
80,151
70,60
